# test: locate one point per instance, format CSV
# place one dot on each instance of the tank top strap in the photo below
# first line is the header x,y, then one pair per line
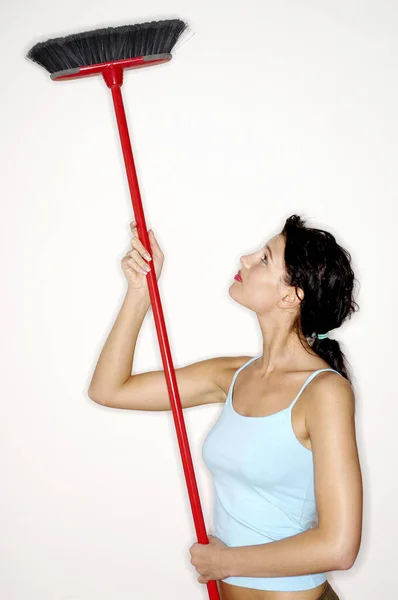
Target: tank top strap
x,y
240,369
308,380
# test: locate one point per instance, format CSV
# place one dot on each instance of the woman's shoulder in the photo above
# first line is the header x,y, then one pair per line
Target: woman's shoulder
x,y
228,367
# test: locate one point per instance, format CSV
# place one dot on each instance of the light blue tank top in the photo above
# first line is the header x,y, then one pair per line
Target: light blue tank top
x,y
263,484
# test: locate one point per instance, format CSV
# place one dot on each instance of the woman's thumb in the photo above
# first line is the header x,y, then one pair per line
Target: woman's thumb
x,y
152,239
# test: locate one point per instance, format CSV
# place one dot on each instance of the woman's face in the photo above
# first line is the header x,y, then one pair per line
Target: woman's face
x,y
261,288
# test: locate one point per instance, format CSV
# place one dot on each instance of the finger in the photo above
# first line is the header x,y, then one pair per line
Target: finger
x,y
134,265
154,241
135,256
139,246
130,262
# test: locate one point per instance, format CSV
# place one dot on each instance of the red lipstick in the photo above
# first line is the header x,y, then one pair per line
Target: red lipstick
x,y
238,277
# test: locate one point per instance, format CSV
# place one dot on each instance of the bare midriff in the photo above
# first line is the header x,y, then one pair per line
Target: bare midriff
x,y
234,592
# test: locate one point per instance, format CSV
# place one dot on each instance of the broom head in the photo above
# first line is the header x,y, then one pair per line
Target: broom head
x,y
87,53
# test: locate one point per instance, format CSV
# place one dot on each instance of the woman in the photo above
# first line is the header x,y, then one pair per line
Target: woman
x,y
283,454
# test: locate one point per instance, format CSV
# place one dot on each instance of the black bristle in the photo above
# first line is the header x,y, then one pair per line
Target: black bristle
x,y
109,44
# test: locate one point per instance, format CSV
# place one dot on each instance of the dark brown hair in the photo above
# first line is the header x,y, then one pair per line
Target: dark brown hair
x,y
316,263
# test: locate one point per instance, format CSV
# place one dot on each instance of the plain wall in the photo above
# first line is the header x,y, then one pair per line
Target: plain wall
x,y
268,109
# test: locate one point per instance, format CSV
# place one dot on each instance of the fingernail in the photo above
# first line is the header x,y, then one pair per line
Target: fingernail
x,y
147,256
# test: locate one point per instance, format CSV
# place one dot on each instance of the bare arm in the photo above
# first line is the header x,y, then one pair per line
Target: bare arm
x,y
198,383
115,362
114,386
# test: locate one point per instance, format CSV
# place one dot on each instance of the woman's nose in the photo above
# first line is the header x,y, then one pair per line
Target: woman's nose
x,y
244,261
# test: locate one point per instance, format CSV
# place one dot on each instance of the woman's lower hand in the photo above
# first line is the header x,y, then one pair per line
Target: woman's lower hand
x,y
210,559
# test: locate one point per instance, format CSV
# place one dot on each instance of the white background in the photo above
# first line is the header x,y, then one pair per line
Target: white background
x,y
269,109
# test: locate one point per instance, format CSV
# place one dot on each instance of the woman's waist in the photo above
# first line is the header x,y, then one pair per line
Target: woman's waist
x,y
241,589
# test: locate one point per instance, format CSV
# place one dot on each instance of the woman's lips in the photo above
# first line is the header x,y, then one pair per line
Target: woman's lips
x,y
238,277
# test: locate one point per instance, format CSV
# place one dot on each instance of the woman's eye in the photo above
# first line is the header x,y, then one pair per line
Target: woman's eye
x,y
265,259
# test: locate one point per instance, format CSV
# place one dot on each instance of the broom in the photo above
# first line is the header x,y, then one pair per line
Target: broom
x,y
108,52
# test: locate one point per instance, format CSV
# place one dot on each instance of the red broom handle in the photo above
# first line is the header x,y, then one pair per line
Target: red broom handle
x,y
113,76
